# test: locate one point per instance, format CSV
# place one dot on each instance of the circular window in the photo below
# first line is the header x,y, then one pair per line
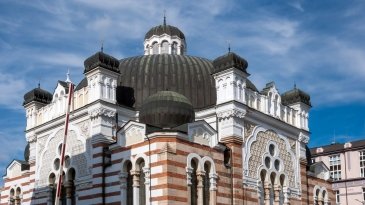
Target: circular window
x,y
56,164
277,165
267,162
67,161
272,149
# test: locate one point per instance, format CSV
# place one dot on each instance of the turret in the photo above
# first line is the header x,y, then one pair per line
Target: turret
x,y
230,74
33,100
164,39
299,101
101,71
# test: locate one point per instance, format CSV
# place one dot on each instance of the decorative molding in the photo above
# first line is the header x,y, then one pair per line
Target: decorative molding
x,y
101,111
303,138
231,113
31,138
202,133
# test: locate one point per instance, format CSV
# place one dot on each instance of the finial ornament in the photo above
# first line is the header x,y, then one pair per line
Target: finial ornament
x,y
102,46
39,84
295,85
164,17
68,76
229,46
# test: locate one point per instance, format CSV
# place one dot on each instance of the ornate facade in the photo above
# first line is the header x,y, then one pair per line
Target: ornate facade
x,y
167,128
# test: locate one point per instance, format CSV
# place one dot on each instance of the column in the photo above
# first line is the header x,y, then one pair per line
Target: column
x,y
213,188
200,176
277,189
189,172
135,175
146,171
17,200
267,187
69,192
286,193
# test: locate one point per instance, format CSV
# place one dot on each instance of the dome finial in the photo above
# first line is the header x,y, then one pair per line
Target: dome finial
x,y
164,17
295,85
229,46
102,46
39,84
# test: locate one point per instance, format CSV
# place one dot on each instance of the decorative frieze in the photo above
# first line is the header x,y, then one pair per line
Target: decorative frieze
x,y
101,111
231,113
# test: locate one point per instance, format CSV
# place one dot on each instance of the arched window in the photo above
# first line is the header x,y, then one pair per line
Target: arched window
x,y
269,103
52,187
147,51
18,199
174,48
272,193
70,186
201,180
206,183
165,47
182,50
261,188
155,48
142,185
11,197
61,102
129,184
316,197
194,184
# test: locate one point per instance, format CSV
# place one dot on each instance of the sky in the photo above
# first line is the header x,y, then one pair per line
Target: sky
x,y
318,45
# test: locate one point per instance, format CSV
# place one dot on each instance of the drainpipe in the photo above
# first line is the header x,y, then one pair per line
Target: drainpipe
x,y
344,154
106,160
149,164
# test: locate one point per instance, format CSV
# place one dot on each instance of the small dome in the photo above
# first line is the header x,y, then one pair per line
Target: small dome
x,y
166,109
26,153
230,60
164,29
101,59
38,95
294,96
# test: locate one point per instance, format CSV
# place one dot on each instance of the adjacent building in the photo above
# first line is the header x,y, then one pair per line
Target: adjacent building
x,y
168,128
346,163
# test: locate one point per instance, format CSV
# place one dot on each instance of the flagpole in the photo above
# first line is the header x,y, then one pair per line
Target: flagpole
x,y
63,149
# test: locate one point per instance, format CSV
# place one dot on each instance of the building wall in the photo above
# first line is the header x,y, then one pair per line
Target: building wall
x,y
351,185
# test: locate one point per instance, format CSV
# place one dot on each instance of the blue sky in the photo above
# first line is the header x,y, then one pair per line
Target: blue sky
x,y
320,45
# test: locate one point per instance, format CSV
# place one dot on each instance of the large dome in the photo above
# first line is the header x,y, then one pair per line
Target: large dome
x,y
142,76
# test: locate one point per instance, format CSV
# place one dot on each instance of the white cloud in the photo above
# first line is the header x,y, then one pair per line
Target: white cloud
x,y
296,4
11,86
61,59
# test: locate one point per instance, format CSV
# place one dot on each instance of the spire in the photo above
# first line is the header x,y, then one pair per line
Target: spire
x,y
295,85
39,84
164,17
68,76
